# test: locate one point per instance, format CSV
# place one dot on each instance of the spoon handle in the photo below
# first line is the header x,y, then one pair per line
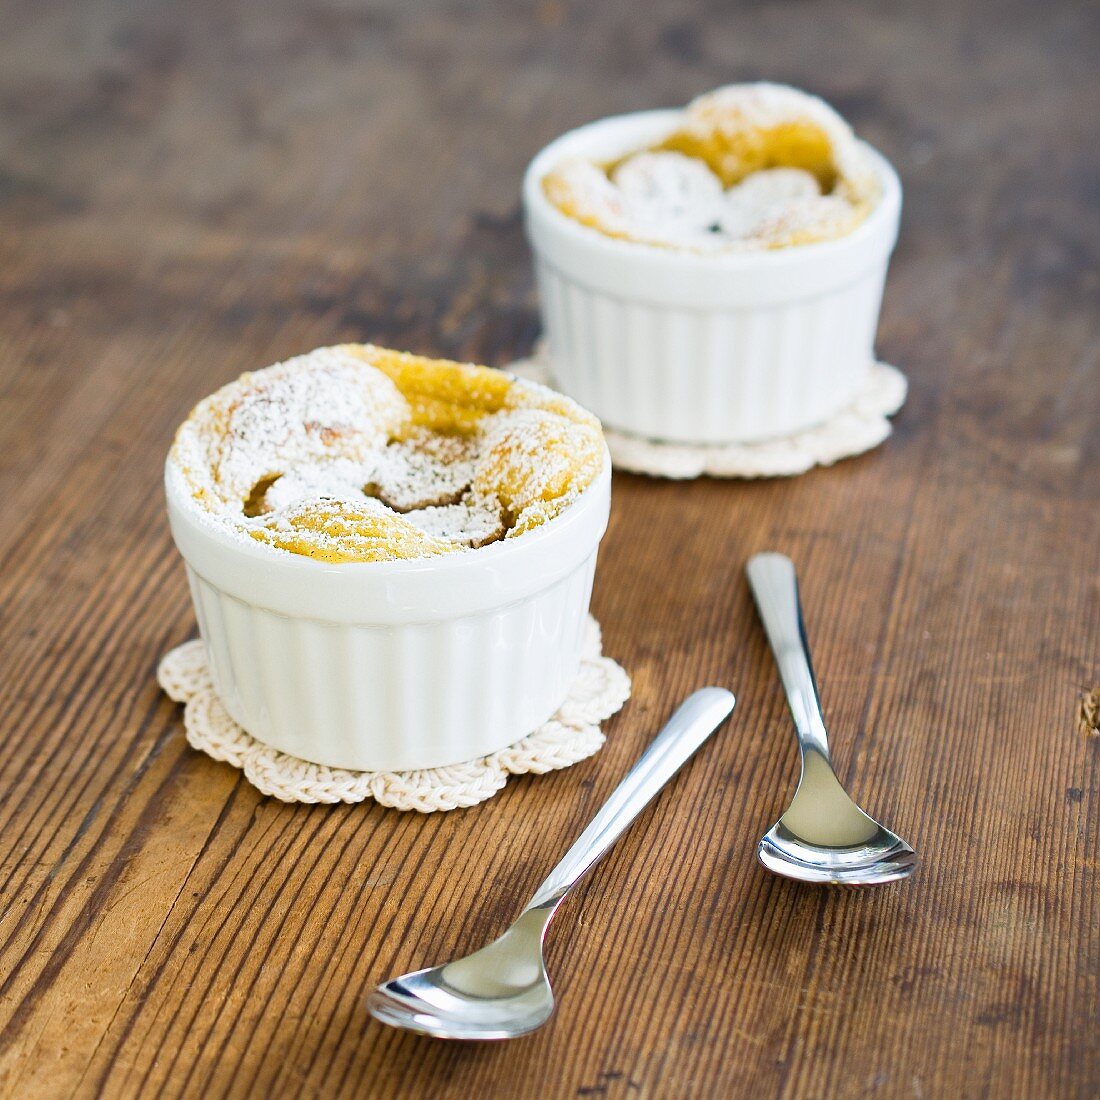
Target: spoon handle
x,y
694,721
774,586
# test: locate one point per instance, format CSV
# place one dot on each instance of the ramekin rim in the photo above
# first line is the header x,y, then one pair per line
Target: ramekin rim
x,y
268,555
537,204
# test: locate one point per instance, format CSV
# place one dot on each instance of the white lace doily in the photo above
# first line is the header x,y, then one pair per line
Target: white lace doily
x,y
858,428
572,735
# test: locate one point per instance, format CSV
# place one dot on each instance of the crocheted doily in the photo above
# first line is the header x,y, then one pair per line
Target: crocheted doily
x,y
858,428
572,735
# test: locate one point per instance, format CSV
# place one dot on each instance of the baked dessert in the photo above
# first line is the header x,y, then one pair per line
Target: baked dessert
x,y
359,453
746,167
725,285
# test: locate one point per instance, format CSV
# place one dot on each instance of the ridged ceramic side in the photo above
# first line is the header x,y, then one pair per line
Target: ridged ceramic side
x,y
704,349
394,666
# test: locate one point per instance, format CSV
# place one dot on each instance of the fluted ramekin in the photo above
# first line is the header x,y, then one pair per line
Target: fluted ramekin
x,y
704,348
393,666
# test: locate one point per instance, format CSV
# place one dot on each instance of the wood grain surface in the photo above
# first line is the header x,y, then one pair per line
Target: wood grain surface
x,y
190,190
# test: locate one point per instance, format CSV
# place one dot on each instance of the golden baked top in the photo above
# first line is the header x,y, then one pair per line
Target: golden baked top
x,y
749,167
358,453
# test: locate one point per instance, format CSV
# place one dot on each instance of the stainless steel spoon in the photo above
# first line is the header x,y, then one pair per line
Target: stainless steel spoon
x,y
502,990
824,836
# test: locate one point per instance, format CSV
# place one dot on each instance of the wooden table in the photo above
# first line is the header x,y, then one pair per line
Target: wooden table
x,y
191,190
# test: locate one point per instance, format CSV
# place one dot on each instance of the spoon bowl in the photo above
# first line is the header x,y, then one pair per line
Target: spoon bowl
x,y
823,836
877,856
884,858
499,992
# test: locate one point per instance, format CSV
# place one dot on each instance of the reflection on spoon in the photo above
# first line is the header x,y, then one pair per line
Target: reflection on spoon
x,y
822,813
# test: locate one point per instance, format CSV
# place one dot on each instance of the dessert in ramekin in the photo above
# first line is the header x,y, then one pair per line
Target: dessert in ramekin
x,y
713,275
390,557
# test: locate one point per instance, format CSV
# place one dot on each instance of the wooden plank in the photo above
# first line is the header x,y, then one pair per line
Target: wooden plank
x,y
186,193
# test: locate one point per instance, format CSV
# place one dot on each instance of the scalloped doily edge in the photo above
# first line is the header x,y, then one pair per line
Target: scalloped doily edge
x,y
600,690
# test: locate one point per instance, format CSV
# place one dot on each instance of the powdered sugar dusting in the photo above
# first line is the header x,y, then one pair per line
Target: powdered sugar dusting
x,y
669,196
424,471
474,520
673,194
326,455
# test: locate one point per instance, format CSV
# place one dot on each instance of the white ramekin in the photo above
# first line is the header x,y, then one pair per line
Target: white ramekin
x,y
393,666
704,349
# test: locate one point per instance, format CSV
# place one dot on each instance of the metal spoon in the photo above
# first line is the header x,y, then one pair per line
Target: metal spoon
x,y
824,836
502,990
